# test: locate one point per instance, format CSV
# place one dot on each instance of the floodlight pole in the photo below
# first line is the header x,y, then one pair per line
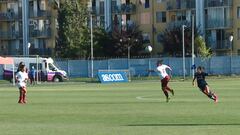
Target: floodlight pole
x,y
193,62
91,25
183,46
129,57
231,45
25,28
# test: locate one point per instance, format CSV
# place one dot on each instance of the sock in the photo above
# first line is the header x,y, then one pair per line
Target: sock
x,y
20,97
211,95
166,93
24,96
169,89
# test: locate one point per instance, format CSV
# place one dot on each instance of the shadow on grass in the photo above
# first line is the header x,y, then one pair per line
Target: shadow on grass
x,y
182,124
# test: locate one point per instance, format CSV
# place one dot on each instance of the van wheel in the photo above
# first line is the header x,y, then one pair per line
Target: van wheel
x,y
57,79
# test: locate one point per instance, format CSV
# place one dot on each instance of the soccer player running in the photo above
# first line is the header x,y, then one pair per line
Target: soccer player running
x,y
165,78
202,84
21,78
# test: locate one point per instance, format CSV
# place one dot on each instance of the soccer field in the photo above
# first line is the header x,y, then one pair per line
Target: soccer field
x,y
136,108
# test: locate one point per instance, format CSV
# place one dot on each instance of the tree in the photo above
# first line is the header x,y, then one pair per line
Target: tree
x,y
127,37
72,41
171,38
202,51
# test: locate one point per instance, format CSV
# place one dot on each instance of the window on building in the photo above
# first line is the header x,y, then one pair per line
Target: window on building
x,y
93,3
238,12
239,52
147,4
173,18
159,37
146,38
145,18
160,1
238,33
101,7
114,6
102,20
161,17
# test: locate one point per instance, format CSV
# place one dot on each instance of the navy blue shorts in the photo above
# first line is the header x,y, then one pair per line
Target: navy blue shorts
x,y
202,85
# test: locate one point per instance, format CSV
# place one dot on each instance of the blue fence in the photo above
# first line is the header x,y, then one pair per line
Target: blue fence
x,y
222,65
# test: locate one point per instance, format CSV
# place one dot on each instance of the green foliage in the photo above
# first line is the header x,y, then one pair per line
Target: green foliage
x,y
171,39
202,49
122,39
73,30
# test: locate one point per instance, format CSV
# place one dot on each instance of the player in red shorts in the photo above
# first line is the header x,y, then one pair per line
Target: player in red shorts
x,y
165,78
22,78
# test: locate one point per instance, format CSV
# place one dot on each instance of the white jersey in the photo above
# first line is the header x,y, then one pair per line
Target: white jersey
x,y
161,70
21,78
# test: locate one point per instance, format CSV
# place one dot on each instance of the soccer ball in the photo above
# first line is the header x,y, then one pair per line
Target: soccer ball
x,y
148,49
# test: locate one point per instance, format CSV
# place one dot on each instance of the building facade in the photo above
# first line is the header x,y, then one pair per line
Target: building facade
x,y
42,27
217,20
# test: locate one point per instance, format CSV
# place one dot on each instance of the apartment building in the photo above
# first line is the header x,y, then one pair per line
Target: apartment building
x,y
42,27
216,19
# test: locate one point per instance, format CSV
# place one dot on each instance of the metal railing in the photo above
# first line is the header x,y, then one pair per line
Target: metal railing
x,y
40,13
10,15
9,35
220,45
118,9
128,8
8,1
218,23
54,3
218,3
40,33
174,24
180,4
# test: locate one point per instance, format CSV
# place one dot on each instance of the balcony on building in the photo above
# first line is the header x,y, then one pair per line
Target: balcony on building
x,y
218,24
5,1
7,35
176,24
180,4
10,15
218,3
40,14
35,33
220,45
128,8
46,52
93,10
116,9
54,3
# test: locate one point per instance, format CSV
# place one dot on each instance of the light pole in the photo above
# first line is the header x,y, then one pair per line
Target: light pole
x,y
129,51
193,62
25,5
231,45
91,29
183,51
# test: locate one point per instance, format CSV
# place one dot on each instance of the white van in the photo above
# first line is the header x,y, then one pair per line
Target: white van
x,y
47,71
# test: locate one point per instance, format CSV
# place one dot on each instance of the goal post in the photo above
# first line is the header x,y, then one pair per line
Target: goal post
x,y
29,61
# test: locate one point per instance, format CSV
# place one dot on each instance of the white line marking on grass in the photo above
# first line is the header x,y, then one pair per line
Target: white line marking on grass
x,y
147,98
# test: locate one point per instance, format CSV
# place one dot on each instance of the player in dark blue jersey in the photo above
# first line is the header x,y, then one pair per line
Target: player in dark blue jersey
x,y
202,84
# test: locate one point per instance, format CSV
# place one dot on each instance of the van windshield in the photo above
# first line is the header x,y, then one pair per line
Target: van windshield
x,y
52,67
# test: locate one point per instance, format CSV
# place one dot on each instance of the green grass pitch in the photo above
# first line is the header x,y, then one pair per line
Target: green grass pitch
x,y
136,108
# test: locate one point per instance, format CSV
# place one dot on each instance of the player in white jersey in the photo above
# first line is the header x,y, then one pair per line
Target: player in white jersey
x,y
21,78
165,78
